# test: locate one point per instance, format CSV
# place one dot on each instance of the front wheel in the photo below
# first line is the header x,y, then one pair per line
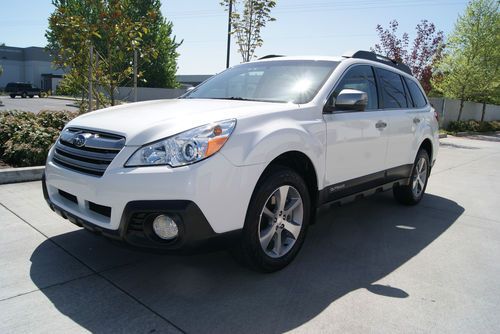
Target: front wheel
x,y
276,221
412,193
12,96
23,95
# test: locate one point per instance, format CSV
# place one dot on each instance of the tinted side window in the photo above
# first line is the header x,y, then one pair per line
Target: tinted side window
x,y
392,89
418,97
359,78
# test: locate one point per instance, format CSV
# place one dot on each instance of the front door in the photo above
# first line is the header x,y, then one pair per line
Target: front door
x,y
356,140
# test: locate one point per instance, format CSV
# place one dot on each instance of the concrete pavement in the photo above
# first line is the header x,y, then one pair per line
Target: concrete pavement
x,y
370,266
36,104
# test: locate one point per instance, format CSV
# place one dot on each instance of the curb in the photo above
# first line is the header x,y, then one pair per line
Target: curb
x,y
472,133
67,98
23,174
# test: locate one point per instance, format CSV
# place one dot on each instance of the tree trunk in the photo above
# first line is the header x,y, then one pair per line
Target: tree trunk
x,y
112,94
483,112
249,37
443,112
461,109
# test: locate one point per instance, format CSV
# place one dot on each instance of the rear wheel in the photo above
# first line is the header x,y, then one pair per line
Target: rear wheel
x,y
12,96
412,193
31,96
23,95
276,222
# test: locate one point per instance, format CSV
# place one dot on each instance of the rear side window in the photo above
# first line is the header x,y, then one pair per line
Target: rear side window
x,y
392,89
417,96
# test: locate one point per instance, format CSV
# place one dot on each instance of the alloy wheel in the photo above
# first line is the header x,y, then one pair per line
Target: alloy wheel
x,y
281,221
419,177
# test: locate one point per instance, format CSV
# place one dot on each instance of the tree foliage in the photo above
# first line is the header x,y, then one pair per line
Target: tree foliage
x,y
470,69
1,68
421,56
114,28
160,71
248,18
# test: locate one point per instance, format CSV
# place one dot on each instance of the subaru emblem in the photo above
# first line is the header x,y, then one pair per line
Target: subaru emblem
x,y
79,140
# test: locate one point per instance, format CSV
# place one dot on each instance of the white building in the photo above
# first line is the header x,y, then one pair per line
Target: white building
x,y
31,65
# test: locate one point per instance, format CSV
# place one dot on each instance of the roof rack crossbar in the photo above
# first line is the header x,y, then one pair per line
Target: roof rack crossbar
x,y
270,56
381,59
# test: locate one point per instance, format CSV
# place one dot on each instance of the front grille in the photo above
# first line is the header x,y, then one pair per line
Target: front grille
x,y
87,151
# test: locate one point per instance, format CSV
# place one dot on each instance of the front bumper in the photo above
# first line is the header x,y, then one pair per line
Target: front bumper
x,y
136,225
210,198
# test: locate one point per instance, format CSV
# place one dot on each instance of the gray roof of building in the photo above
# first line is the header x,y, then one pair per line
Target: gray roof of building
x,y
32,53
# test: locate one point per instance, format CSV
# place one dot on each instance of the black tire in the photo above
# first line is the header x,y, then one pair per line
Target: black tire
x,y
249,249
23,95
31,96
12,96
407,194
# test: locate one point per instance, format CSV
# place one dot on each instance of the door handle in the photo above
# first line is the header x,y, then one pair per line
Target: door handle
x,y
380,125
416,120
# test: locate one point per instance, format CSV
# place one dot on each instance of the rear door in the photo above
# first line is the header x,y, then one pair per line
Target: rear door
x,y
356,140
396,103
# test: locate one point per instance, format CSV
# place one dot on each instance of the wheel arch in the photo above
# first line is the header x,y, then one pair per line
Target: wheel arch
x,y
427,146
302,165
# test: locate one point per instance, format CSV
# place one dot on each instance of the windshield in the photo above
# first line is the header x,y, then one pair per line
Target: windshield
x,y
296,81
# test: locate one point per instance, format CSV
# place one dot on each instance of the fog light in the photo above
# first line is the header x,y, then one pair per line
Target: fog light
x,y
165,227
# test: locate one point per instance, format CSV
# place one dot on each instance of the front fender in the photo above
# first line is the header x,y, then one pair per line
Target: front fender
x,y
260,141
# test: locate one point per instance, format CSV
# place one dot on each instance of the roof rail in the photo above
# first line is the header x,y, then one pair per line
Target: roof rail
x,y
270,56
381,59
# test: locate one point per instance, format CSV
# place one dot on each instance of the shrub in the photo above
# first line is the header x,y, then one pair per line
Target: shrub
x,y
25,138
474,126
11,122
51,119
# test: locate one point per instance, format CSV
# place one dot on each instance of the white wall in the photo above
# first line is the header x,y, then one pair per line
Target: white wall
x,y
13,71
55,83
145,94
471,110
25,71
35,68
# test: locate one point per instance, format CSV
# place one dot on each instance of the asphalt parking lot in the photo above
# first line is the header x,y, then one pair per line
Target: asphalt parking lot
x,y
370,266
36,104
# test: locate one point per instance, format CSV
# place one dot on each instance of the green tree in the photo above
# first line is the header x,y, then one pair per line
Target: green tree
x,y
160,71
113,33
1,71
469,70
247,23
1,68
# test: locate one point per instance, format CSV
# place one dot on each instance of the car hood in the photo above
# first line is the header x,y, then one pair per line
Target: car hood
x,y
144,122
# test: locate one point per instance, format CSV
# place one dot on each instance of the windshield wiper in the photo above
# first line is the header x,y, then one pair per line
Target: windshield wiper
x,y
237,98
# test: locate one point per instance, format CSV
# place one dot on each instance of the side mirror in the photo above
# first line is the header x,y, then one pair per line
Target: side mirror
x,y
351,99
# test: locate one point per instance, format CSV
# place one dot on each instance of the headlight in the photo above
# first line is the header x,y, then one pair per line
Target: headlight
x,y
185,148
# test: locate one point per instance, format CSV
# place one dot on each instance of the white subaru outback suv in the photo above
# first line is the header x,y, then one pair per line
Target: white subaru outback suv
x,y
249,154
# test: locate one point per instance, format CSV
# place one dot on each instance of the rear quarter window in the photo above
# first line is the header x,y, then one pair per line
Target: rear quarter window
x,y
418,97
392,89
